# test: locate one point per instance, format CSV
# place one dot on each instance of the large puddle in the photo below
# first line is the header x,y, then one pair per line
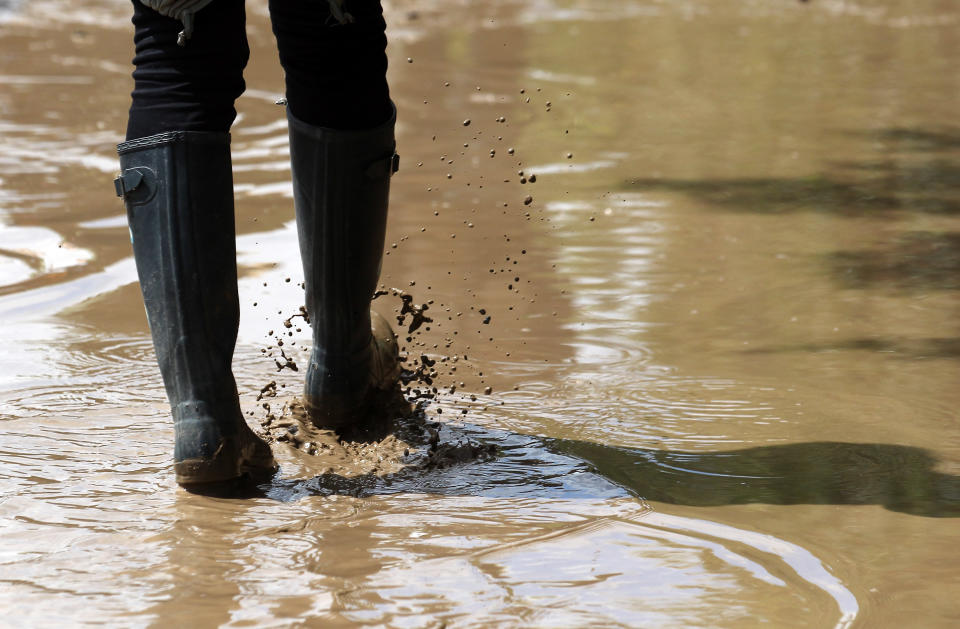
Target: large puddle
x,y
705,255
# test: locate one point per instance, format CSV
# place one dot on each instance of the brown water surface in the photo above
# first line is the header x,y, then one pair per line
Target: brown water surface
x,y
723,346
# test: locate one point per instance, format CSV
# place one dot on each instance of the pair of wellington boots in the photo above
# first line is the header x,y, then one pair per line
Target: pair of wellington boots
x,y
178,190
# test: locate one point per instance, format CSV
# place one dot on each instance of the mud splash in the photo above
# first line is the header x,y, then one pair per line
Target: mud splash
x,y
396,436
403,441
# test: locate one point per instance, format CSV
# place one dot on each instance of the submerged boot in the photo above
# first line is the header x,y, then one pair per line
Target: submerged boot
x,y
341,184
178,190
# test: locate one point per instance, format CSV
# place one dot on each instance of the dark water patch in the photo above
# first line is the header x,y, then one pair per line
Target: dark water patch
x,y
898,478
918,261
888,186
902,348
907,139
776,195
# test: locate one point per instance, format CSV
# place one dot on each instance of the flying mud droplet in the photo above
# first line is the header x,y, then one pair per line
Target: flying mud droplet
x,y
288,364
268,390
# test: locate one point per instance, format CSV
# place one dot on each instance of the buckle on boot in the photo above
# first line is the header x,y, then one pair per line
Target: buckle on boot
x,y
383,167
128,181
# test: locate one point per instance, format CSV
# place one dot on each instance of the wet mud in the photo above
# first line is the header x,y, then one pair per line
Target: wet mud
x,y
403,440
675,292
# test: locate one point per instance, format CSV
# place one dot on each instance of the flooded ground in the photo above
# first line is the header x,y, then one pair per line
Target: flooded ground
x,y
722,337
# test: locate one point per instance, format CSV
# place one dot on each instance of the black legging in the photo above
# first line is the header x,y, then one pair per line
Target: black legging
x,y
335,73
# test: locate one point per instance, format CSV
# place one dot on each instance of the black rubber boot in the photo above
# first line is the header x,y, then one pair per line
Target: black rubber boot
x,y
341,185
178,190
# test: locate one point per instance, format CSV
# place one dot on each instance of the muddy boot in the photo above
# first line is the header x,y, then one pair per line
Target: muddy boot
x,y
178,190
341,182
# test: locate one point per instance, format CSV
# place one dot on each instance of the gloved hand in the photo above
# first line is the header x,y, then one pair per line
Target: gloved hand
x,y
182,10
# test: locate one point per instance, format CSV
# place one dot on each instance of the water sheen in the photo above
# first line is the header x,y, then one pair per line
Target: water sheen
x,y
723,339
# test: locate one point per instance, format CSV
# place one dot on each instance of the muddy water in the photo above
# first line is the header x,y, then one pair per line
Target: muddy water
x,y
722,345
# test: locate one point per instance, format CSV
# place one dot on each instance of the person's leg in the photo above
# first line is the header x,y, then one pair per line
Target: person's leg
x,y
336,73
191,87
177,185
342,157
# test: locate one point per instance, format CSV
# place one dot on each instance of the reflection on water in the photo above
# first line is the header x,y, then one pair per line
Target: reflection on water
x,y
898,478
722,334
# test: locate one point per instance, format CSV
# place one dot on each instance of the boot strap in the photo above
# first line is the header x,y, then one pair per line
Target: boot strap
x,y
384,167
128,181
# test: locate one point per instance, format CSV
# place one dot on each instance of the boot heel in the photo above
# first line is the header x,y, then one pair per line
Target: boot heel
x,y
223,465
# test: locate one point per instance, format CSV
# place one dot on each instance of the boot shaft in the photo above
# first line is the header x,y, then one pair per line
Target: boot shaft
x,y
178,191
341,185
